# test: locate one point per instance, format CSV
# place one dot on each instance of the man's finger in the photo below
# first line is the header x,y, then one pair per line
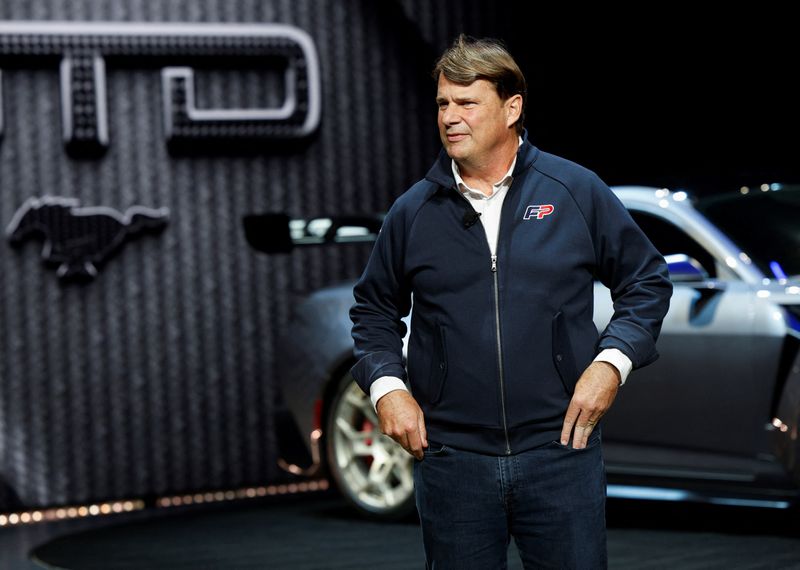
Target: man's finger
x,y
583,427
569,422
415,444
402,439
423,431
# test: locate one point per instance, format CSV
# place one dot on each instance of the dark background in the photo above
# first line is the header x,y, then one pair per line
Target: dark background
x,y
666,98
158,376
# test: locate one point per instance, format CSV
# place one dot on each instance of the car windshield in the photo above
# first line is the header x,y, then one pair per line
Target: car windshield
x,y
764,223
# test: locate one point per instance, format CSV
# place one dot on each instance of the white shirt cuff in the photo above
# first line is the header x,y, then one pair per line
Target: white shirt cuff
x,y
383,386
618,360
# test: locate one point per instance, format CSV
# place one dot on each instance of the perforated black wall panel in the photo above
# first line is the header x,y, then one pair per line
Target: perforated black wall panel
x,y
156,374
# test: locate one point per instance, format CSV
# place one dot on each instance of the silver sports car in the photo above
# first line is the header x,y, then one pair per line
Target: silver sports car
x,y
714,419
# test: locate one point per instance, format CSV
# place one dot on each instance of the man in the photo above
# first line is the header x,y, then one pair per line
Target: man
x,y
500,245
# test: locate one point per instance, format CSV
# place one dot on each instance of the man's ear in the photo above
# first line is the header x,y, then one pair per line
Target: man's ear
x,y
513,109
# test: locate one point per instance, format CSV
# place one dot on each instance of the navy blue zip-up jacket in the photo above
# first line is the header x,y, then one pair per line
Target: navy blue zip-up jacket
x,y
496,347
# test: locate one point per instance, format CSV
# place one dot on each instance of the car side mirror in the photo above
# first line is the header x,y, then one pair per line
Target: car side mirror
x,y
269,232
685,268
276,232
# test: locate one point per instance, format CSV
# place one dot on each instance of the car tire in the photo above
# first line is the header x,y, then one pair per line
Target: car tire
x,y
373,472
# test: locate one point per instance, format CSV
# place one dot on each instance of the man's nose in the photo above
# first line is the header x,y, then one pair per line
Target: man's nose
x,y
450,116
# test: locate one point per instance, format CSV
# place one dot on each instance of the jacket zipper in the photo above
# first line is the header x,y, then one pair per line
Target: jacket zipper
x,y
497,327
500,351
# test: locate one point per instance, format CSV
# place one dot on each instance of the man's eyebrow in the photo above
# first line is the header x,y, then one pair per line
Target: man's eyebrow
x,y
441,99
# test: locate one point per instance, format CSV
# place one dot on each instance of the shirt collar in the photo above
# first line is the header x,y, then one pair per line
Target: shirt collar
x,y
504,182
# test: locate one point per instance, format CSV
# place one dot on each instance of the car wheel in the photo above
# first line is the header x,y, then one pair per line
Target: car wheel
x,y
370,469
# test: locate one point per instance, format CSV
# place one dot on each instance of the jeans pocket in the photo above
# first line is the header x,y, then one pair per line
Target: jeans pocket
x,y
435,450
594,439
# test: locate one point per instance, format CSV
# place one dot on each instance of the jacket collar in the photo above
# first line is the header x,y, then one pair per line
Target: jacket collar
x,y
441,172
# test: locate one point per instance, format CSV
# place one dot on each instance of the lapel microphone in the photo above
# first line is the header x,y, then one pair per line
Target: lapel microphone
x,y
470,217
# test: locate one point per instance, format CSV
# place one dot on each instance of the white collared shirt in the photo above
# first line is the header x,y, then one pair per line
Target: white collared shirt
x,y
487,206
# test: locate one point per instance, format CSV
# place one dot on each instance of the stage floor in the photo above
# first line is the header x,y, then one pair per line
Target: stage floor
x,y
319,531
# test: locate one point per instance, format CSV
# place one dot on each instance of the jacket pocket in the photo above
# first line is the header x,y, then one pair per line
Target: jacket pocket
x,y
563,356
438,366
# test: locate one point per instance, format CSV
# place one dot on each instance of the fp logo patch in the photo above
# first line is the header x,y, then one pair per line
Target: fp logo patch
x,y
538,211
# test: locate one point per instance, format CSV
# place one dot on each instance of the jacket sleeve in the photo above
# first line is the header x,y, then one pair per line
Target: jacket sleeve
x,y
635,272
382,299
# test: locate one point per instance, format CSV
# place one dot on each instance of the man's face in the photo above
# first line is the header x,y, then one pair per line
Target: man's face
x,y
473,120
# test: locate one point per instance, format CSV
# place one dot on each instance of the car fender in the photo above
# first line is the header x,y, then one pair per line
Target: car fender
x,y
785,426
316,349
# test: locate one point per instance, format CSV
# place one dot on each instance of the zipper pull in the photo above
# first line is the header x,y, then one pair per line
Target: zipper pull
x,y
494,264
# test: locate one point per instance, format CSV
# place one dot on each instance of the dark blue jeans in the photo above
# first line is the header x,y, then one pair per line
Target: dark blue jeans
x,y
551,499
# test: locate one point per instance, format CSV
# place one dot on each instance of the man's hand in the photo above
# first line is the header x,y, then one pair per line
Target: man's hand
x,y
401,419
594,393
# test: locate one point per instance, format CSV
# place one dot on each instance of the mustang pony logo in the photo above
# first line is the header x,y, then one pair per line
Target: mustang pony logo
x,y
79,239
